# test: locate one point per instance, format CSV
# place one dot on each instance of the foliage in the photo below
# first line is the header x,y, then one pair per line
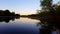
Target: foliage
x,y
49,9
46,4
7,13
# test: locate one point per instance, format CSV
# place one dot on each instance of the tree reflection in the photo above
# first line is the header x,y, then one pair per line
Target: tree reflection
x,y
8,18
49,27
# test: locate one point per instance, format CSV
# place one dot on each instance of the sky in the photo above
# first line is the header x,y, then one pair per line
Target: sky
x,y
23,7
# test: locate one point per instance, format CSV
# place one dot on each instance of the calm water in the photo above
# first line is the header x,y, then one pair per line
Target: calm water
x,y
21,26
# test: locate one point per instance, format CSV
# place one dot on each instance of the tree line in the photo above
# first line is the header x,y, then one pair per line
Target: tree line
x,y
7,13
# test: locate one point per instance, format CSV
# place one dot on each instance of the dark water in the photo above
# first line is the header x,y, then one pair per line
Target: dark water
x,y
23,26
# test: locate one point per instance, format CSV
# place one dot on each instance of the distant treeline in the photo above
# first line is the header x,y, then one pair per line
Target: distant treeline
x,y
7,13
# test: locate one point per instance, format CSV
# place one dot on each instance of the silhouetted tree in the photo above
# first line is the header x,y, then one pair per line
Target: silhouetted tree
x,y
7,13
13,13
46,4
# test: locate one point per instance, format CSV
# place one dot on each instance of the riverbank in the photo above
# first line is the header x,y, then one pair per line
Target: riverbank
x,y
49,18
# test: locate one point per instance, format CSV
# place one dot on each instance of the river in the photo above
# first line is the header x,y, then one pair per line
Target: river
x,y
22,25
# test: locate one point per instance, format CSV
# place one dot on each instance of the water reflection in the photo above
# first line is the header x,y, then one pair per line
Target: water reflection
x,y
28,26
18,26
6,19
49,27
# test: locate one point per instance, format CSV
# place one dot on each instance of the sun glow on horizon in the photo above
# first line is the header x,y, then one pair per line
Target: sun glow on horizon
x,y
22,7
24,13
